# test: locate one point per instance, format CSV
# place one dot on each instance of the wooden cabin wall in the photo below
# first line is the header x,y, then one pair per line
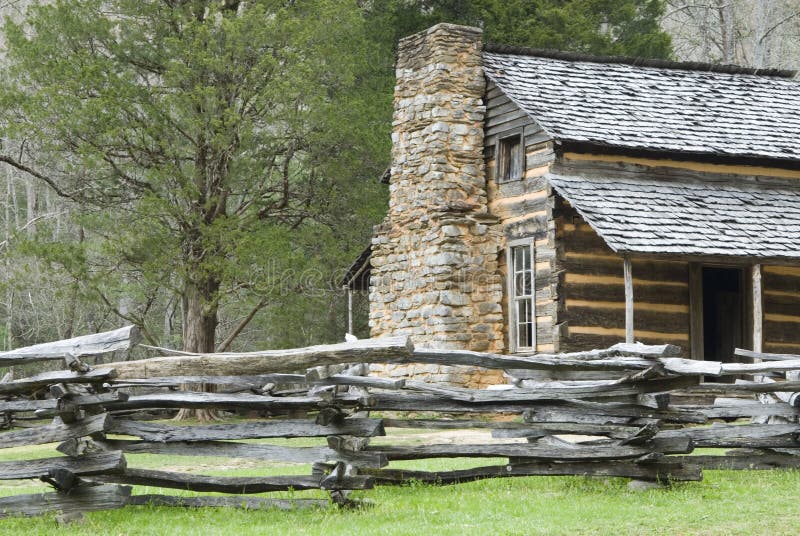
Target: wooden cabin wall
x,y
592,301
781,296
525,206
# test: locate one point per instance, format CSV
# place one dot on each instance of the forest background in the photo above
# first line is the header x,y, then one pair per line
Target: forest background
x,y
207,170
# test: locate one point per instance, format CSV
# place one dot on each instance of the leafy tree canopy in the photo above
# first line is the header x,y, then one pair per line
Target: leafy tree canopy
x,y
620,27
200,140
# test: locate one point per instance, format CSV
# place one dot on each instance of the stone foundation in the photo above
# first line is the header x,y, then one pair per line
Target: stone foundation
x,y
435,258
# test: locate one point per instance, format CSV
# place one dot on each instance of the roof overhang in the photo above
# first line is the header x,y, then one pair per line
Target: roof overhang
x,y
357,275
688,218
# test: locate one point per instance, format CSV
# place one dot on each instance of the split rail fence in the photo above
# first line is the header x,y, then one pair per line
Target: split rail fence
x,y
643,424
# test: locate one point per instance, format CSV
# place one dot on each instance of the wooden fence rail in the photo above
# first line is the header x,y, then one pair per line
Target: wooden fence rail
x,y
644,423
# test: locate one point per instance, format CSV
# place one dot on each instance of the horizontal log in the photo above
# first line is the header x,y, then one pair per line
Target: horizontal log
x,y
220,484
201,400
761,461
733,435
620,356
649,292
619,413
646,320
273,361
572,340
763,367
228,449
747,409
361,381
96,344
662,471
546,412
553,428
45,379
102,399
22,405
247,381
452,424
213,501
553,393
76,500
745,387
92,464
56,431
249,430
386,350
529,450
763,356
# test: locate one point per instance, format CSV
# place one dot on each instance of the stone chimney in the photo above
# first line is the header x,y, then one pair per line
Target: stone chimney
x,y
435,273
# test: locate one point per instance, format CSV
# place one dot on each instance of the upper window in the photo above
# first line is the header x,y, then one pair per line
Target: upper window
x,y
521,297
510,158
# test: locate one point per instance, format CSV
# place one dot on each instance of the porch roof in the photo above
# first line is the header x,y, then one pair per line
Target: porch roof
x,y
688,217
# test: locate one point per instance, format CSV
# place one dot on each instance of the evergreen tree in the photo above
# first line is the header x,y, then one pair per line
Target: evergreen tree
x,y
215,149
620,27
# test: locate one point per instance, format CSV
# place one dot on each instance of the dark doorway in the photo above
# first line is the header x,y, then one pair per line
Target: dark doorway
x,y
723,313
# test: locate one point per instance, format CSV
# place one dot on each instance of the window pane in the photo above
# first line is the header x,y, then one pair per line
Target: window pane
x,y
518,258
524,324
515,152
509,161
523,314
522,290
529,334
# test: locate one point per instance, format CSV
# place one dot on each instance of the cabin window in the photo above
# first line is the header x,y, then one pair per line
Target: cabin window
x,y
522,329
510,157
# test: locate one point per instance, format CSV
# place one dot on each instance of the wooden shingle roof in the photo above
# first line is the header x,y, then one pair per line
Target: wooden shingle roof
x,y
688,217
722,113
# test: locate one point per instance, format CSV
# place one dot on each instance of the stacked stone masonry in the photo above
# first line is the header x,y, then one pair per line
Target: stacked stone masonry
x,y
435,263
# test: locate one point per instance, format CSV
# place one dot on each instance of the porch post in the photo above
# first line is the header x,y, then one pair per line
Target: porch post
x,y
628,273
758,310
349,309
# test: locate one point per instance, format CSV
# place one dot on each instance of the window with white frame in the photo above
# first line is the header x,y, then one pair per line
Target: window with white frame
x,y
522,329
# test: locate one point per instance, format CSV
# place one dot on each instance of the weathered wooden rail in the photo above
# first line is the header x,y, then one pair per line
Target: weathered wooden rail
x,y
630,426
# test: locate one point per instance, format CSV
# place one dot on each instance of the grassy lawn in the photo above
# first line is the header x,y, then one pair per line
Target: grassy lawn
x,y
726,502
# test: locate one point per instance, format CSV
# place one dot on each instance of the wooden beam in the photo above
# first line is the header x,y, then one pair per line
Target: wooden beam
x,y
758,310
628,275
98,343
92,464
81,499
665,470
696,311
45,379
235,501
229,484
535,451
167,433
272,361
56,431
349,310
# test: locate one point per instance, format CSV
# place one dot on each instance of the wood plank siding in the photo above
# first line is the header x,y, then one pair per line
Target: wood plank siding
x,y
525,206
781,295
579,281
592,305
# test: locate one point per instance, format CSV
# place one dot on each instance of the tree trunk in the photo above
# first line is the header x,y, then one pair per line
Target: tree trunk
x,y
199,329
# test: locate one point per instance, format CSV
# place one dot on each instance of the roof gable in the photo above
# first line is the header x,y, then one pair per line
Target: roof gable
x,y
633,107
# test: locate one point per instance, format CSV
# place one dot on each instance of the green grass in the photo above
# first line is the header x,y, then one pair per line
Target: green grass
x,y
726,502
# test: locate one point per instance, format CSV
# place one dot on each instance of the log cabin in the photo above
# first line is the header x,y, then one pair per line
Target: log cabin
x,y
546,202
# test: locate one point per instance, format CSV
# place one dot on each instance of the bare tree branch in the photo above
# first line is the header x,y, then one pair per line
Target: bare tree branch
x,y
224,345
30,171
